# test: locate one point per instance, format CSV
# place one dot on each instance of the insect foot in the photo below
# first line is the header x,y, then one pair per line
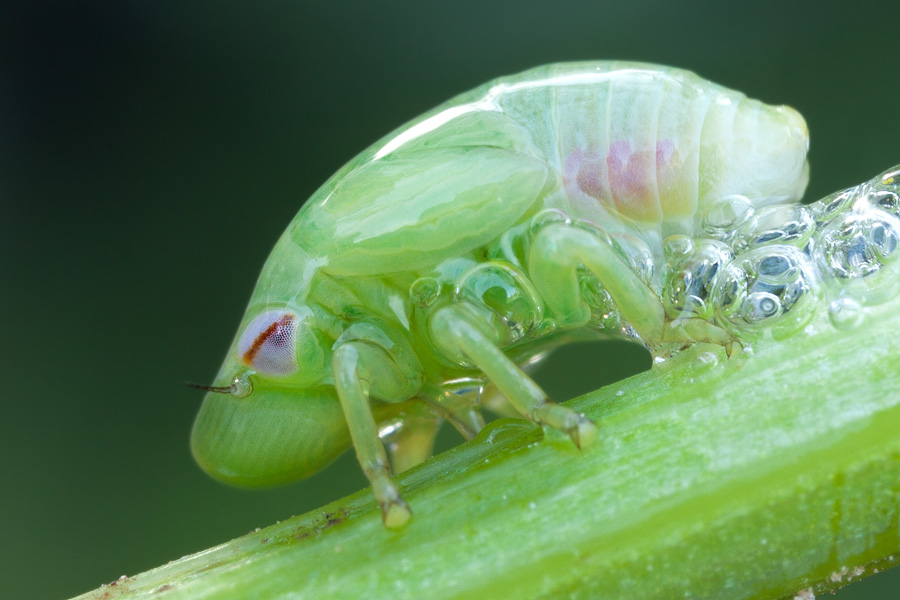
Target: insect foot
x,y
582,430
395,511
460,332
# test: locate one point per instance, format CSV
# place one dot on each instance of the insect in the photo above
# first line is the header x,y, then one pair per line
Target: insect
x,y
533,210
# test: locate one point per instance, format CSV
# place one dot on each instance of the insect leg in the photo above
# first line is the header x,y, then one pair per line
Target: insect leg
x,y
461,332
556,253
353,392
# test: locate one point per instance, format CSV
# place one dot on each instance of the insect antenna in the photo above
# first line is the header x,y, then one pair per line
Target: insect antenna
x,y
239,388
219,389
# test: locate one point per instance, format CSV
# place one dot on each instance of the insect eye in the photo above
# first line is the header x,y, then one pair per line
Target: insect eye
x,y
268,343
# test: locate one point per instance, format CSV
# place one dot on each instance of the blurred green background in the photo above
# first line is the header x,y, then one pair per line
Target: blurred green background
x,y
152,152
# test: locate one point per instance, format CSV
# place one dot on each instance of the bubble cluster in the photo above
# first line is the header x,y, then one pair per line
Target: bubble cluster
x,y
691,267
769,271
604,312
636,254
859,250
726,215
789,224
771,286
504,291
832,205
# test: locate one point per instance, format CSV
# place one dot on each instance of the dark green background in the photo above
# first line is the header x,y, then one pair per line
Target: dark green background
x,y
151,153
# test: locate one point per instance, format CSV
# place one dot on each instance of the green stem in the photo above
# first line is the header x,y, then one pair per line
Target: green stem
x,y
753,477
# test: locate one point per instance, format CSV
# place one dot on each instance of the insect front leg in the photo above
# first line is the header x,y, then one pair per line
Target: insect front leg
x,y
356,364
463,334
560,249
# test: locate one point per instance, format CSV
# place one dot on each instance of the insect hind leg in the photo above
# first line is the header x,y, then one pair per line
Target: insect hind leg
x,y
463,334
558,251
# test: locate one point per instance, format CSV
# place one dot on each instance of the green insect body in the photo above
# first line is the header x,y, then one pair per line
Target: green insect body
x,y
557,204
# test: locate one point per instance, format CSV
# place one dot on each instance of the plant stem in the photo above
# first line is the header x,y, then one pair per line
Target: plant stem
x,y
752,477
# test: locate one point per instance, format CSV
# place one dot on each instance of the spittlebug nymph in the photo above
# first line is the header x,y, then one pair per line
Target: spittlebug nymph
x,y
477,237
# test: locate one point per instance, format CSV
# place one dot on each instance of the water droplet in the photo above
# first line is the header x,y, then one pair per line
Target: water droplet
x,y
780,224
707,359
635,253
770,289
726,214
688,278
832,205
859,251
506,293
774,266
677,246
604,312
760,306
424,291
845,313
885,200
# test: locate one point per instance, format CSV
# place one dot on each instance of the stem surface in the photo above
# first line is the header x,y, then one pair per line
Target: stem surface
x,y
753,477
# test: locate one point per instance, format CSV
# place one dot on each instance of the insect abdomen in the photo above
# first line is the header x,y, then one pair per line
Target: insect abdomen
x,y
654,144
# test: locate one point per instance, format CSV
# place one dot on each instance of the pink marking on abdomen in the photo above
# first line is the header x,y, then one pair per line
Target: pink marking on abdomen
x,y
632,179
631,183
665,151
628,172
585,175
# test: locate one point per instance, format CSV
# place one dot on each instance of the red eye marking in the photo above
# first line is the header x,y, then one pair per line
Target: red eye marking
x,y
278,332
